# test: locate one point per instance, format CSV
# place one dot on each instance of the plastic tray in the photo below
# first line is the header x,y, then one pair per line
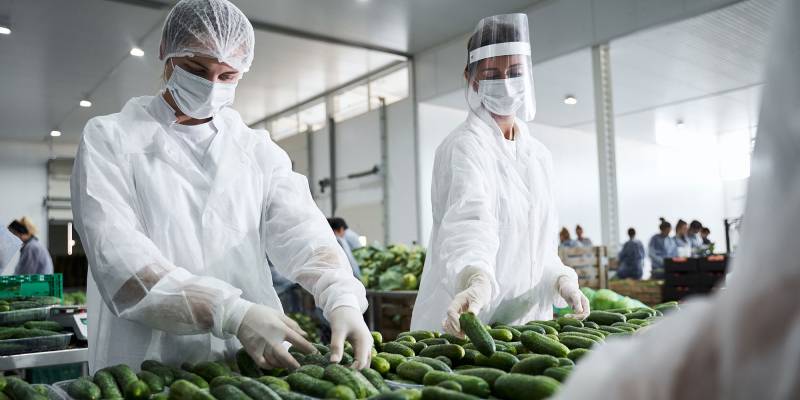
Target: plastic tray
x,y
53,393
32,285
399,385
19,317
34,345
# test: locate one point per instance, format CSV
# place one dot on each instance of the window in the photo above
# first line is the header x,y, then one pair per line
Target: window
x,y
284,127
312,117
392,87
350,103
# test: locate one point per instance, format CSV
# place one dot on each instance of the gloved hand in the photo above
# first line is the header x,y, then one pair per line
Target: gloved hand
x,y
568,289
348,323
477,294
262,333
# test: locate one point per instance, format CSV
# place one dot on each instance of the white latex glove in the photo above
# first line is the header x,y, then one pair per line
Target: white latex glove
x,y
348,323
477,294
568,289
262,333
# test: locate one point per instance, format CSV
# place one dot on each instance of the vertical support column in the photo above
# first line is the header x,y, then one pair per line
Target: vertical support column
x,y
310,158
332,159
384,130
606,148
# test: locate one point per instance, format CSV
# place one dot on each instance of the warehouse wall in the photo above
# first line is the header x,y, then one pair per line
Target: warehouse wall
x,y
653,181
359,200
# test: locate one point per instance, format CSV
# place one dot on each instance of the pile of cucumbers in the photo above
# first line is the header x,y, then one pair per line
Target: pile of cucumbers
x,y
24,303
507,362
17,389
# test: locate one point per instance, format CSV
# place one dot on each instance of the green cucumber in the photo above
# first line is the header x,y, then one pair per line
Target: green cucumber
x,y
137,390
247,366
393,359
256,390
525,387
108,386
440,393
434,363
564,321
548,329
450,385
375,378
605,318
398,348
452,351
159,369
433,341
418,335
123,375
379,364
418,347
503,335
315,371
153,381
576,354
413,370
541,344
489,375
454,339
565,362
309,385
589,331
274,383
224,392
499,360
470,384
477,333
340,392
84,389
558,373
535,365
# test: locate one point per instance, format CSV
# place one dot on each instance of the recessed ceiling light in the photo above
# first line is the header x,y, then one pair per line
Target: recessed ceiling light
x,y
85,103
4,30
137,52
55,133
570,100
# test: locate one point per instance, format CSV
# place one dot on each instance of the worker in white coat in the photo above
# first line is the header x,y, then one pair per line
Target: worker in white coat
x,y
744,341
493,247
178,202
9,246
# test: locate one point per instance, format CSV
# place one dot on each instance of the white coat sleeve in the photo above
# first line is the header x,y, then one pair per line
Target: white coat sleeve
x,y
468,234
301,244
135,280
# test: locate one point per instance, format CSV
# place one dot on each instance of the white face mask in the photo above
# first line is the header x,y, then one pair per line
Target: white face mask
x,y
502,96
197,97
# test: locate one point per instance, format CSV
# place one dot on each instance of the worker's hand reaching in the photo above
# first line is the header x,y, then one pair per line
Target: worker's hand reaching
x,y
568,289
472,299
348,323
262,333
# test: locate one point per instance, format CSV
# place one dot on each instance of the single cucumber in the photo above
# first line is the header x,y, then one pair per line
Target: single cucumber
x,y
340,392
452,351
592,338
564,321
605,318
314,371
532,327
477,333
450,385
504,335
499,360
224,392
274,383
247,366
225,380
433,341
256,390
398,348
542,344
535,365
377,339
469,357
375,378
405,339
418,347
418,335
576,354
589,331
489,375
470,384
413,370
636,315
445,360
379,364
137,390
393,359
525,387
565,362
345,376
558,373
123,375
440,393
309,385
108,386
454,339
590,324
44,325
153,381
612,329
18,389
548,329
434,363
84,389
182,389
159,369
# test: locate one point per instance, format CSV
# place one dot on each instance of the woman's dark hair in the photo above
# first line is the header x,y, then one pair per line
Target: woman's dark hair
x,y
664,224
631,232
705,230
499,33
337,223
680,223
16,226
695,224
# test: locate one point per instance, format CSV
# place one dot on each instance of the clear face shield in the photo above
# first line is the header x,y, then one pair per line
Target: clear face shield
x,y
499,74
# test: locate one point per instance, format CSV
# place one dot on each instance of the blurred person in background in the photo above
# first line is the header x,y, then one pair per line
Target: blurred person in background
x,y
694,234
631,258
582,241
339,227
564,239
681,239
33,257
352,237
704,236
661,246
9,245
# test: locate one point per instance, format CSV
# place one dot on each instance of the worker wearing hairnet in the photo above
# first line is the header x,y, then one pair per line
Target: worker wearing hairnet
x,y
744,341
493,247
178,203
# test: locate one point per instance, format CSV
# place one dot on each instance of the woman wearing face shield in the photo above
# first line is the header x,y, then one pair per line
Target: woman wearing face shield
x,y
178,203
493,249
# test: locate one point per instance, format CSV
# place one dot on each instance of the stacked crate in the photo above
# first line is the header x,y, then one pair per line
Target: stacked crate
x,y
587,263
647,291
692,276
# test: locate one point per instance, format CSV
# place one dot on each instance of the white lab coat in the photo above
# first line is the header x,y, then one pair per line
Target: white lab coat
x,y
177,249
744,341
493,210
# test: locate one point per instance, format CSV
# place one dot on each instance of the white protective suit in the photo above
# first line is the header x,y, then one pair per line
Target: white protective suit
x,y
177,246
497,213
744,341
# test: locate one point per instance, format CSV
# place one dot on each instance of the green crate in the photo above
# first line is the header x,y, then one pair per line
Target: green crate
x,y
57,373
32,286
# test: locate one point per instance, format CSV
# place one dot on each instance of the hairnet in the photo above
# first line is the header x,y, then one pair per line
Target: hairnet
x,y
213,28
494,40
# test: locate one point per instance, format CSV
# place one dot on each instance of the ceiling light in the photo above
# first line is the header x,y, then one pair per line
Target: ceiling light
x,y
55,133
679,124
86,103
570,100
137,52
4,30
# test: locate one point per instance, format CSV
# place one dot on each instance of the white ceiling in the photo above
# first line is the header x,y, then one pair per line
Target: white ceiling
x,y
705,71
59,50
